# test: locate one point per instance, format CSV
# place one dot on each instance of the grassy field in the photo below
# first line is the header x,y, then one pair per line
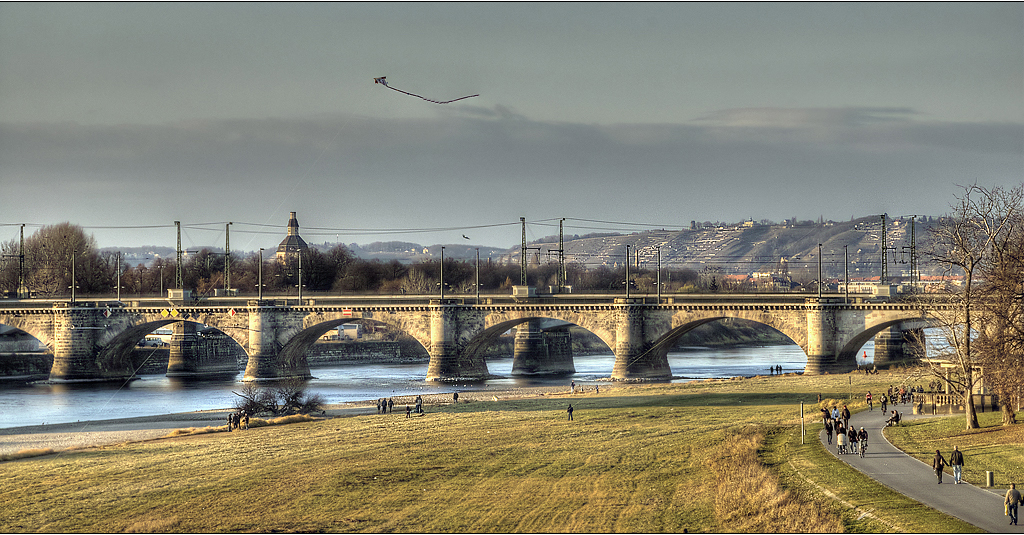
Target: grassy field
x,y
720,456
993,447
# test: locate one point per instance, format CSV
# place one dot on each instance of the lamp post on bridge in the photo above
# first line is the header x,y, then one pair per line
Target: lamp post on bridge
x,y
819,273
659,273
442,273
259,280
74,253
627,271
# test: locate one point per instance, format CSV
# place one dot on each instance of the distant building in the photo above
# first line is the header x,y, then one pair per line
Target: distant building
x,y
292,244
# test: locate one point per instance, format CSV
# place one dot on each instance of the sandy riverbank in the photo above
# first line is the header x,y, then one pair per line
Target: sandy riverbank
x,y
77,435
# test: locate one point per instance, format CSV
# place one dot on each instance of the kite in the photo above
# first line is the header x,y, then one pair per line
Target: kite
x,y
384,82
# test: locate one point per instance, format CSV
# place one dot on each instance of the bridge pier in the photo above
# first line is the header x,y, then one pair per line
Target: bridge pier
x,y
635,355
541,353
270,328
190,357
449,362
823,339
897,345
75,347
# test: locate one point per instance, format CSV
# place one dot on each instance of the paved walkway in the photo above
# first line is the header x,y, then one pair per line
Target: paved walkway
x,y
891,467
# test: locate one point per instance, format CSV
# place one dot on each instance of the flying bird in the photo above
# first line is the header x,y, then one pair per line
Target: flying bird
x,y
383,80
464,236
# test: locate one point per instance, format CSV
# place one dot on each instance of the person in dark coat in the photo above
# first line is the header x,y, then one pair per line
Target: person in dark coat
x,y
938,463
569,410
828,431
956,460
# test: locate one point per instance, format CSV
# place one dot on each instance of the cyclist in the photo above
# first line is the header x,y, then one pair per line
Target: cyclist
x,y
862,436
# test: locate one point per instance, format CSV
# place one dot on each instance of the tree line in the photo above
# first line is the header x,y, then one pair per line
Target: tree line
x,y
56,253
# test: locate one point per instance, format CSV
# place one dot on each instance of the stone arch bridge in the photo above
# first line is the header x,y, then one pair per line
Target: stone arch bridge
x,y
93,340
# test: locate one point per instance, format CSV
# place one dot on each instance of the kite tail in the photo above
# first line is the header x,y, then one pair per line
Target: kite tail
x,y
427,99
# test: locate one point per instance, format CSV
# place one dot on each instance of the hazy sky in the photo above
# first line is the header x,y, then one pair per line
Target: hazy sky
x,y
137,115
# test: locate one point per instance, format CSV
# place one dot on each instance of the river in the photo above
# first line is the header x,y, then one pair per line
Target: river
x,y
150,395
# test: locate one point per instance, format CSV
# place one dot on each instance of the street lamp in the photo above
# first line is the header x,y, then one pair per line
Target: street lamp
x,y
260,277
442,273
74,253
659,274
627,271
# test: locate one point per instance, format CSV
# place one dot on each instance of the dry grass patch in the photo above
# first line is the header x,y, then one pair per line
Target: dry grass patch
x,y
27,453
750,498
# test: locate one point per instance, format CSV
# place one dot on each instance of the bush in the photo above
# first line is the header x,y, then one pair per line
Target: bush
x,y
288,397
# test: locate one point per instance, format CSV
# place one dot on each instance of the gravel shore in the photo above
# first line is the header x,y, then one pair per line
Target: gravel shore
x,y
77,435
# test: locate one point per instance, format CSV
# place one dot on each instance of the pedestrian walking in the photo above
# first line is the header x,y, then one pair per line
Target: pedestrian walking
x,y
938,463
572,387
846,416
1011,501
569,410
230,417
867,398
852,435
455,397
884,400
956,460
391,405
828,431
245,421
408,412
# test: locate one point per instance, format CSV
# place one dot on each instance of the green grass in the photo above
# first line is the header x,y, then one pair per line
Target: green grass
x,y
637,458
993,447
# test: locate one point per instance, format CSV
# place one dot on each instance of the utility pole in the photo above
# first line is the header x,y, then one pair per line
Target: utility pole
x,y
659,274
73,283
522,254
885,261
478,275
914,275
260,278
627,271
300,277
227,257
846,262
119,276
561,258
819,273
22,289
442,272
177,269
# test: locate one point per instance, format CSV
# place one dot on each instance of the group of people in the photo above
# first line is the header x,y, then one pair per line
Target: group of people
x,y
848,439
775,370
384,405
238,420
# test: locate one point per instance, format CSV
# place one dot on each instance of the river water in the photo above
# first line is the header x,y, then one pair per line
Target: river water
x,y
151,395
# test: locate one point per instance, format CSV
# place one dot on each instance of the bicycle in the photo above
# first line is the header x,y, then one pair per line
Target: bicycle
x,y
863,447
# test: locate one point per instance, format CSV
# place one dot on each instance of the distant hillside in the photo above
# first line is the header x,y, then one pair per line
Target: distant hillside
x,y
740,249
725,248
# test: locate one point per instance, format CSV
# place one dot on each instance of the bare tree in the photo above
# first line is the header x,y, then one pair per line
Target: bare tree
x,y
1000,342
981,222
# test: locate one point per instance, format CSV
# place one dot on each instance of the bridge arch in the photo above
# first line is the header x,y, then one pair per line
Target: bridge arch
x,y
296,348
117,346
